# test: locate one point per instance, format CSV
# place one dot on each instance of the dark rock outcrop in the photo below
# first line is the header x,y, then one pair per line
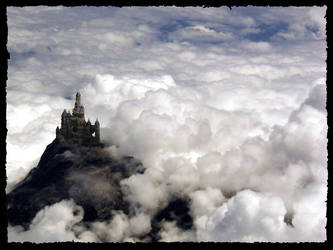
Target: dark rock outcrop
x,y
88,175
177,210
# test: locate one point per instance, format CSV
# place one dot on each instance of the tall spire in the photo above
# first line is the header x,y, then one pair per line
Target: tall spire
x,y
78,110
78,99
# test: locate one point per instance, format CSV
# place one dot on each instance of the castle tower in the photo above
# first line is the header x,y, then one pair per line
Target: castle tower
x,y
63,118
57,132
75,129
78,110
97,134
78,100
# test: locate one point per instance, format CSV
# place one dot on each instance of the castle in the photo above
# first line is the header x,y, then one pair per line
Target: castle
x,y
74,127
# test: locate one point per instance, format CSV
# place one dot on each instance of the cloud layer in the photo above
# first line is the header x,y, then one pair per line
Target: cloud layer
x,y
224,107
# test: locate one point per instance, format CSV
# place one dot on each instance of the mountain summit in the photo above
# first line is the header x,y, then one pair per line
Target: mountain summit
x,y
74,166
77,166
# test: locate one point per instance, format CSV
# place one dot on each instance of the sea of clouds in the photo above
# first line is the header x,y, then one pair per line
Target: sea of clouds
x,y
226,107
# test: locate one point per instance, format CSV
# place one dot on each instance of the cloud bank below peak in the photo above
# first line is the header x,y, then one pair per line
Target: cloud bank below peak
x,y
224,107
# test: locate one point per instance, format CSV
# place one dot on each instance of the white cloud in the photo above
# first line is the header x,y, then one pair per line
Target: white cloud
x,y
52,224
145,191
253,217
199,33
310,213
121,228
140,224
170,233
205,202
249,217
209,111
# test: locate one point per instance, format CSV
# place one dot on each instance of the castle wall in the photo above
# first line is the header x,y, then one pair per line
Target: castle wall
x,y
75,128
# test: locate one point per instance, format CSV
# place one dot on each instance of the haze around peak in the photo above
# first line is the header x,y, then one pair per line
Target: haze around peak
x,y
226,107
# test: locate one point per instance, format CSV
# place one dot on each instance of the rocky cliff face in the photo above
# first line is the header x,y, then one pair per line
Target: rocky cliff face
x,y
89,176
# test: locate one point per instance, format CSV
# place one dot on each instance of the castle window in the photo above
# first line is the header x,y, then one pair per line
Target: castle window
x,y
74,129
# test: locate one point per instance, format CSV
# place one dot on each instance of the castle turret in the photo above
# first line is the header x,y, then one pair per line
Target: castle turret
x,y
97,132
78,100
75,129
57,132
78,110
63,118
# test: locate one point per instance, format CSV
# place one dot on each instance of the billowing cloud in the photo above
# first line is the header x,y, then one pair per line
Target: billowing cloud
x,y
223,107
257,217
54,223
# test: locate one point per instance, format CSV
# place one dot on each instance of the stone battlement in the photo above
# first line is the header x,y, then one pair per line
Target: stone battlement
x,y
74,127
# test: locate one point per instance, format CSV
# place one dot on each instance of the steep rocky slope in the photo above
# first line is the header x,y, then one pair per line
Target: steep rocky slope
x,y
89,176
